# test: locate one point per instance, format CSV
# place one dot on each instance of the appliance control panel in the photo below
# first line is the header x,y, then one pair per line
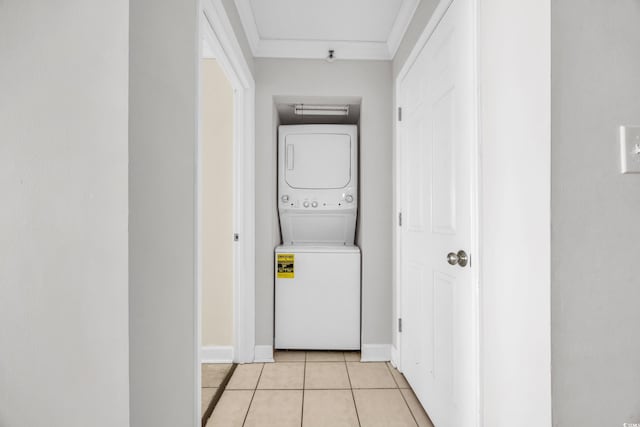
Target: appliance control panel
x,y
346,200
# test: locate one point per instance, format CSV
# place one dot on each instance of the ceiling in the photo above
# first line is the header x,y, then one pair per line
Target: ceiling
x,y
354,29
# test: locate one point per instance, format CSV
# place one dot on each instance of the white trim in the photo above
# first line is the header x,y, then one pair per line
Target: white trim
x,y
198,226
375,353
218,32
435,19
206,51
476,199
216,354
400,25
264,354
396,154
317,49
248,20
244,264
395,357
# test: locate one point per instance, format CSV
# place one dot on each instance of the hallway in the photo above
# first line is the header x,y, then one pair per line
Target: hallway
x,y
318,388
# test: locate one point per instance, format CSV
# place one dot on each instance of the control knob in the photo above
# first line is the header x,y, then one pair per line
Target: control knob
x,y
314,204
349,198
305,204
284,198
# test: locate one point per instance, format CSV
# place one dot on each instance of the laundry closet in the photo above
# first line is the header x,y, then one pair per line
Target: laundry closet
x,y
317,267
363,163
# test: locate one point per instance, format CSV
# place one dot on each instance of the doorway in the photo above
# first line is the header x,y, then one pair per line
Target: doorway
x,y
225,215
216,212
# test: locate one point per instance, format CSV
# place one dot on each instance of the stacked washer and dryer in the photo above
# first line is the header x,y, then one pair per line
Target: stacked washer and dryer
x,y
317,284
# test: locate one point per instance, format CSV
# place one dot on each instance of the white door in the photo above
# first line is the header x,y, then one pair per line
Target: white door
x,y
437,143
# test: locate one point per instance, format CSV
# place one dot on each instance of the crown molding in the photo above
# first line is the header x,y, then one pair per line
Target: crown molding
x,y
317,49
248,21
400,25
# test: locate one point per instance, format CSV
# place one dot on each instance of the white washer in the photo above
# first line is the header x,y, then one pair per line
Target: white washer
x,y
317,285
317,298
318,184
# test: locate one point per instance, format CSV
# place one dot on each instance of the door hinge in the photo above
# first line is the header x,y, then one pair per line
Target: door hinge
x,y
399,219
399,324
399,114
236,237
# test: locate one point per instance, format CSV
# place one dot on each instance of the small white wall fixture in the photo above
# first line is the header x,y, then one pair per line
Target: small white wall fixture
x,y
220,41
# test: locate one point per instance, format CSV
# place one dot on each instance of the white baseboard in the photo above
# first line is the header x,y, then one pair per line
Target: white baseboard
x,y
375,352
216,354
394,356
263,353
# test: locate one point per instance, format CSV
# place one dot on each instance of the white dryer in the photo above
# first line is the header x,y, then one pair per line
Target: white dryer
x,y
317,285
318,184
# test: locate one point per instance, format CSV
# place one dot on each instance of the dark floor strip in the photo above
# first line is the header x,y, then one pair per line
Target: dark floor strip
x,y
216,397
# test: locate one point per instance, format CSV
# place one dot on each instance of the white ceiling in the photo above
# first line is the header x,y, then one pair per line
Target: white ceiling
x,y
355,29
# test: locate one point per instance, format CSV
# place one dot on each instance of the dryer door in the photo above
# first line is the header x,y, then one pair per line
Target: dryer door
x,y
318,161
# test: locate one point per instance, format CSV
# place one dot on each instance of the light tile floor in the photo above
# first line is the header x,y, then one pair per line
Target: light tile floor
x,y
318,389
212,376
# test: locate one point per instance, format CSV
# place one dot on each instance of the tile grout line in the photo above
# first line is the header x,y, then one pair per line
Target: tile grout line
x,y
392,376
244,421
304,385
410,410
304,379
314,389
218,394
353,397
402,395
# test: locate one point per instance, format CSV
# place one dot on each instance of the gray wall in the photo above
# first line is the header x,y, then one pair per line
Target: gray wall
x,y
370,80
163,76
63,216
595,212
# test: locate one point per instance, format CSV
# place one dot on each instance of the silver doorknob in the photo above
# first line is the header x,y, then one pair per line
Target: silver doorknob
x,y
461,258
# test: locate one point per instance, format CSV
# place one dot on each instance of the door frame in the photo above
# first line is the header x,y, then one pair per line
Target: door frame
x,y
476,197
216,31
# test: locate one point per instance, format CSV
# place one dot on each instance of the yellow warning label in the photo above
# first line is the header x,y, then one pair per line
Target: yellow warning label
x,y
285,266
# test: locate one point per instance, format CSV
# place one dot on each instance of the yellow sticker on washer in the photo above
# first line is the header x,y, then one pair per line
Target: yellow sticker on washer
x,y
285,266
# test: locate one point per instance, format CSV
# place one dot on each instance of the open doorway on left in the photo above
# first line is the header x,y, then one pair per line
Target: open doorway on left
x,y
216,230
